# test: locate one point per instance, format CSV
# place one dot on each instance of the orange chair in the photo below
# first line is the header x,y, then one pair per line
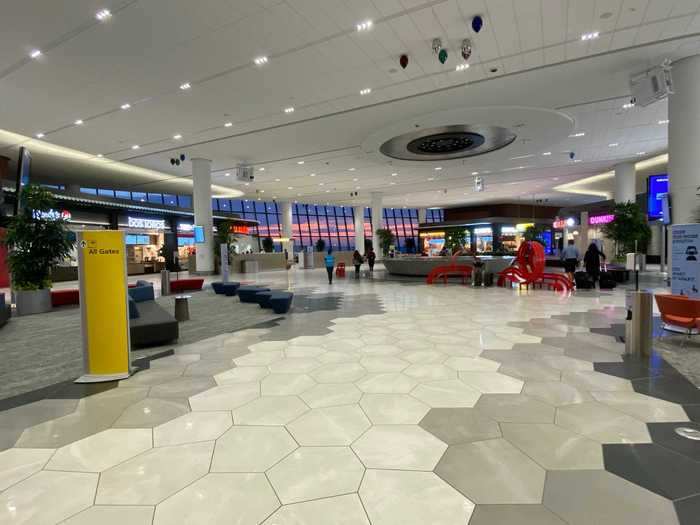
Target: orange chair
x,y
340,270
679,313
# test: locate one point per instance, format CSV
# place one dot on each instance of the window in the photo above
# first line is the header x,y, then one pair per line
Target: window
x,y
156,198
434,215
170,200
91,191
120,194
105,193
403,223
184,201
138,196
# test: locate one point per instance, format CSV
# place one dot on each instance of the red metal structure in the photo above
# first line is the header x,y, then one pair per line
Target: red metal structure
x,y
528,269
450,270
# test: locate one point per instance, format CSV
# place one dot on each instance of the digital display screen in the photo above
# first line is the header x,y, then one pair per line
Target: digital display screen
x,y
199,234
137,239
657,187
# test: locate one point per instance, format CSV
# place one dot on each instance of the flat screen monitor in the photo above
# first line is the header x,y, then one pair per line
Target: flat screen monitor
x,y
657,187
23,171
199,235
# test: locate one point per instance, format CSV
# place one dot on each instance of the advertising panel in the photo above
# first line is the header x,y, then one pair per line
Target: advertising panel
x,y
685,271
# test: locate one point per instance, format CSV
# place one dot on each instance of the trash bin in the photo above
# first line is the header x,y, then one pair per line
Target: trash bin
x,y
639,323
164,282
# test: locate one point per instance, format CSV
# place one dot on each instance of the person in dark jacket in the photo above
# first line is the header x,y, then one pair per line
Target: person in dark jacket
x,y
357,262
592,260
371,257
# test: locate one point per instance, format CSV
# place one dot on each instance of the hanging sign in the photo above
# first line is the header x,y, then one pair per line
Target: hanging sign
x,y
103,305
685,259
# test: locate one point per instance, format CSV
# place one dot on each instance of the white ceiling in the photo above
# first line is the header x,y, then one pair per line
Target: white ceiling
x,y
318,63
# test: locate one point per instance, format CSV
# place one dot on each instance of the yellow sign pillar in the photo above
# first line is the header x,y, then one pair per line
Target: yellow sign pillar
x,y
104,305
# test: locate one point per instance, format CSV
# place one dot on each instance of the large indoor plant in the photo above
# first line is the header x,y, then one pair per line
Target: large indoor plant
x,y
629,229
386,239
35,239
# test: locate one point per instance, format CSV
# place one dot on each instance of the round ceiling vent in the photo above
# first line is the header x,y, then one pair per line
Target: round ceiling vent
x,y
447,142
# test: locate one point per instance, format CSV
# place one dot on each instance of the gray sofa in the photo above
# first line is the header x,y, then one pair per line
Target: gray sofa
x,y
5,311
149,323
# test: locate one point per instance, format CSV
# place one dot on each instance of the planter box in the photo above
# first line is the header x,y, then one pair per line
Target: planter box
x,y
30,302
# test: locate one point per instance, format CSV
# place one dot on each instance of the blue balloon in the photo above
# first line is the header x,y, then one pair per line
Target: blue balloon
x,y
477,23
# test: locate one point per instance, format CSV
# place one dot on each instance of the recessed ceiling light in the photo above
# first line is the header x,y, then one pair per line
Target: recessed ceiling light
x,y
78,122
262,191
628,105
355,180
546,153
321,183
663,122
431,178
290,187
40,135
247,183
577,135
227,174
300,162
289,110
126,106
394,174
590,36
438,168
35,53
365,25
99,155
177,136
135,146
462,67
259,61
103,14
475,172
576,161
392,183
613,145
228,124
357,187
328,191
351,169
641,153
365,91
277,180
261,169
555,178
185,86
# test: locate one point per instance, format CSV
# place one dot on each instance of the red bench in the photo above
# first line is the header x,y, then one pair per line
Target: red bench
x,y
450,270
65,297
185,285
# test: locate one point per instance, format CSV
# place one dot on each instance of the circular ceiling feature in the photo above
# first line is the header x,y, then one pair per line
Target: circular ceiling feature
x,y
447,142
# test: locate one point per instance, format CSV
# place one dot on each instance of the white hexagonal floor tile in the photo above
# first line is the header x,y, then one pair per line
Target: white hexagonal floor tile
x,y
345,510
113,515
242,374
225,397
405,447
472,364
304,351
17,464
286,384
380,363
393,409
316,472
447,394
191,428
270,410
492,382
327,395
294,365
412,498
338,373
102,450
423,356
220,498
260,358
251,449
329,426
388,383
430,372
380,349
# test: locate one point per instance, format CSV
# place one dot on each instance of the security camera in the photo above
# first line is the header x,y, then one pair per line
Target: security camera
x,y
466,49
572,155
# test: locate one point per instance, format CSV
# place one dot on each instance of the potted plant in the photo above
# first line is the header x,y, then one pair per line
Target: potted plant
x,y
35,240
268,245
629,229
535,233
320,245
386,239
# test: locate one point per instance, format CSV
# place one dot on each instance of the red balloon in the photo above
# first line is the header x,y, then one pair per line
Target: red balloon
x,y
403,61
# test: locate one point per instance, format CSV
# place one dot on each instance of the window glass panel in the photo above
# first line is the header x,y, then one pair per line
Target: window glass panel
x,y
155,198
237,205
91,191
170,200
120,194
105,193
138,196
184,201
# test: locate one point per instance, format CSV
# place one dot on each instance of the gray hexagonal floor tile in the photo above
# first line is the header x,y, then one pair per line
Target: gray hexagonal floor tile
x,y
459,425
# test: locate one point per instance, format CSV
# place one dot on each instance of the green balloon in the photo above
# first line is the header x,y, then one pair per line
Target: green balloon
x,y
442,56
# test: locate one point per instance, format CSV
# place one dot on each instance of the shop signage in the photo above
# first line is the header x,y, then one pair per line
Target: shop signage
x,y
148,224
685,259
595,220
523,226
185,227
432,234
242,229
560,224
53,215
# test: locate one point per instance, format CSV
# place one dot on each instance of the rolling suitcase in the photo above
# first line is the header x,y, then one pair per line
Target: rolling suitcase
x,y
583,281
607,281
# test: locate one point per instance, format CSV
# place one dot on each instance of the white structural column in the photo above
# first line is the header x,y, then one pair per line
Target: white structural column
x,y
359,212
377,222
286,217
422,215
625,182
201,198
683,137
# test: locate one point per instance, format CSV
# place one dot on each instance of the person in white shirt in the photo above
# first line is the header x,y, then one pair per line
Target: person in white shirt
x,y
571,256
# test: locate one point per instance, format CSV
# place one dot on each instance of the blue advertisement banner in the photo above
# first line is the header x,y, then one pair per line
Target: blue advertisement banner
x,y
658,187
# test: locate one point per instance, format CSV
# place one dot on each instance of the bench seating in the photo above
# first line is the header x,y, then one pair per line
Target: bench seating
x,y
228,289
5,311
263,299
149,323
65,297
185,285
281,302
679,313
247,293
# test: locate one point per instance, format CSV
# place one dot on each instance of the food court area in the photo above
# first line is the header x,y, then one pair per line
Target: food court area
x,y
355,263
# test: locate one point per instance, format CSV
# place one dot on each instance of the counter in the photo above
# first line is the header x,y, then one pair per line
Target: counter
x,y
422,266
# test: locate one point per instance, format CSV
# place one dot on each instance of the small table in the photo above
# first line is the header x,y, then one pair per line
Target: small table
x,y
182,308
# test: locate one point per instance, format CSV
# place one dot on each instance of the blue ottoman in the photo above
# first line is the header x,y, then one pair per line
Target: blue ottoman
x,y
281,302
263,299
228,289
247,293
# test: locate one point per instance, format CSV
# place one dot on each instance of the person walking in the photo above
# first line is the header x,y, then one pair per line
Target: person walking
x,y
357,262
591,260
329,259
571,256
371,257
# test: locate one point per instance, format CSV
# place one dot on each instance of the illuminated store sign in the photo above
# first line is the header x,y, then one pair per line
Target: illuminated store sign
x,y
524,226
560,224
185,227
53,215
148,224
241,229
595,220
433,234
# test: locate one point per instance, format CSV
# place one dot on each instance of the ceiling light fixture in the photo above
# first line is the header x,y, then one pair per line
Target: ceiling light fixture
x,y
577,135
35,53
394,174
364,26
290,187
277,180
261,169
365,91
260,61
185,86
438,168
227,174
590,36
40,135
641,153
431,178
177,136
312,174
300,162
351,169
663,122
126,106
289,110
547,154
392,183
628,105
462,67
613,145
135,146
228,124
321,183
355,180
103,14
475,172
99,155
78,122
